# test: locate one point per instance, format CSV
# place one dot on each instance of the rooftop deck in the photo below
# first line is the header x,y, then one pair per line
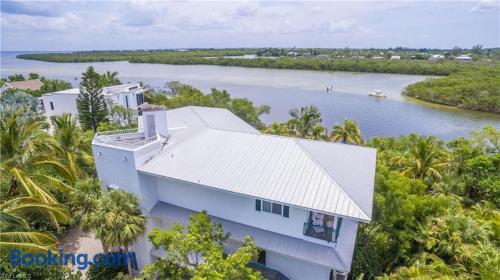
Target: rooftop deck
x,y
127,138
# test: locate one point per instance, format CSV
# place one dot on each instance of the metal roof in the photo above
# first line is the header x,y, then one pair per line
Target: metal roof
x,y
322,176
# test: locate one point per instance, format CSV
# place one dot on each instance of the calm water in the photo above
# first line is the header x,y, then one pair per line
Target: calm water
x,y
287,89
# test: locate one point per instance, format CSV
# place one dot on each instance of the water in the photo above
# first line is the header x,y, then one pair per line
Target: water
x,y
287,89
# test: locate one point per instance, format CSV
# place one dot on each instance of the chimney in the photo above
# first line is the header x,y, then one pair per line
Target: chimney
x,y
154,120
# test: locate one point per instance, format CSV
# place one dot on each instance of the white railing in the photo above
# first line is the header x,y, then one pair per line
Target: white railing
x,y
126,144
114,132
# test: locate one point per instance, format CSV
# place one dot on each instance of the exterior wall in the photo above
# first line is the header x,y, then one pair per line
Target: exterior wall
x,y
63,103
296,269
223,204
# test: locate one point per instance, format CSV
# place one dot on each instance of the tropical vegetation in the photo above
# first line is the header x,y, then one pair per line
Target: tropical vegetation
x,y
196,252
477,89
435,205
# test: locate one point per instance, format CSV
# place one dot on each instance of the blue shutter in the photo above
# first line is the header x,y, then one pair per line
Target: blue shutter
x,y
286,211
337,230
257,204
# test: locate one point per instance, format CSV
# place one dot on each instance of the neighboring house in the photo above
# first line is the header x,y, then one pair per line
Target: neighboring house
x,y
128,95
436,57
396,57
35,84
301,200
463,57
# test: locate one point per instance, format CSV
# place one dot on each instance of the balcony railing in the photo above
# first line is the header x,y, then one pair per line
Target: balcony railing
x,y
319,231
114,132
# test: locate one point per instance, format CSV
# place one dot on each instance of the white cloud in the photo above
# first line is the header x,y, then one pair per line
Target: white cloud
x,y
485,5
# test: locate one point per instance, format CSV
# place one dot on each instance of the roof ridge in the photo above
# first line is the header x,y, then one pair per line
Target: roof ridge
x,y
311,157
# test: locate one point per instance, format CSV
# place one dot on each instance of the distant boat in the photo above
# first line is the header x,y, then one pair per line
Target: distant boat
x,y
377,93
329,88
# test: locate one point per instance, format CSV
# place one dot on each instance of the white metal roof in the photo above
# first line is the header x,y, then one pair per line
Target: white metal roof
x,y
111,90
327,177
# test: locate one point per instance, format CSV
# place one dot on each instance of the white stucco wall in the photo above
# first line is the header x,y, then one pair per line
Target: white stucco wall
x,y
63,103
235,207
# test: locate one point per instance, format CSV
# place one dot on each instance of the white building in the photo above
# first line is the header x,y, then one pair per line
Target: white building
x,y
436,57
301,200
59,102
395,57
463,57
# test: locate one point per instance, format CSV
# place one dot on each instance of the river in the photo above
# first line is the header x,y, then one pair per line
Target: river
x,y
287,89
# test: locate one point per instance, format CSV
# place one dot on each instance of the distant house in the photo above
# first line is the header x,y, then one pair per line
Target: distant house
x,y
436,57
323,56
395,57
463,57
60,102
35,84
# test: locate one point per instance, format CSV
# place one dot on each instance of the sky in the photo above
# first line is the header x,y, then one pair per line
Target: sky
x,y
109,25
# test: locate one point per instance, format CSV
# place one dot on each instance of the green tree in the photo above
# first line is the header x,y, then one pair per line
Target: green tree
x,y
90,103
347,133
16,77
118,221
110,79
33,76
304,119
122,117
197,251
14,227
426,158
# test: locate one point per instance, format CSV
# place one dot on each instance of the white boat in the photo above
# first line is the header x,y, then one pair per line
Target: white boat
x,y
377,93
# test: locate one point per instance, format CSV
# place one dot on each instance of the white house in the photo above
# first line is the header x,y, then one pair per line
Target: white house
x,y
128,95
301,200
463,57
395,57
436,57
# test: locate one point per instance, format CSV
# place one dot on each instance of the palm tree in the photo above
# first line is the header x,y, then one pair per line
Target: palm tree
x,y
22,147
425,159
14,228
304,120
71,138
110,79
118,221
84,200
348,133
318,132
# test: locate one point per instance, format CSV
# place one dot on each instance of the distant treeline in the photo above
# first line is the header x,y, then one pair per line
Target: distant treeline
x,y
217,57
477,89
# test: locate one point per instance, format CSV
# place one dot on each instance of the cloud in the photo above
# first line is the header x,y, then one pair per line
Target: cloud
x,y
483,5
29,9
337,26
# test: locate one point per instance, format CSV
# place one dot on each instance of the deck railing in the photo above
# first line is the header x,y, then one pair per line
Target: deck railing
x,y
319,231
114,132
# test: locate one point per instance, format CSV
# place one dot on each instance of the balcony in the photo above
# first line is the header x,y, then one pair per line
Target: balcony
x,y
322,226
128,138
319,232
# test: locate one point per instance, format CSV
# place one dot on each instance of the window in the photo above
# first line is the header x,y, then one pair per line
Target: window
x,y
286,211
51,105
277,208
258,203
271,207
139,98
267,206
